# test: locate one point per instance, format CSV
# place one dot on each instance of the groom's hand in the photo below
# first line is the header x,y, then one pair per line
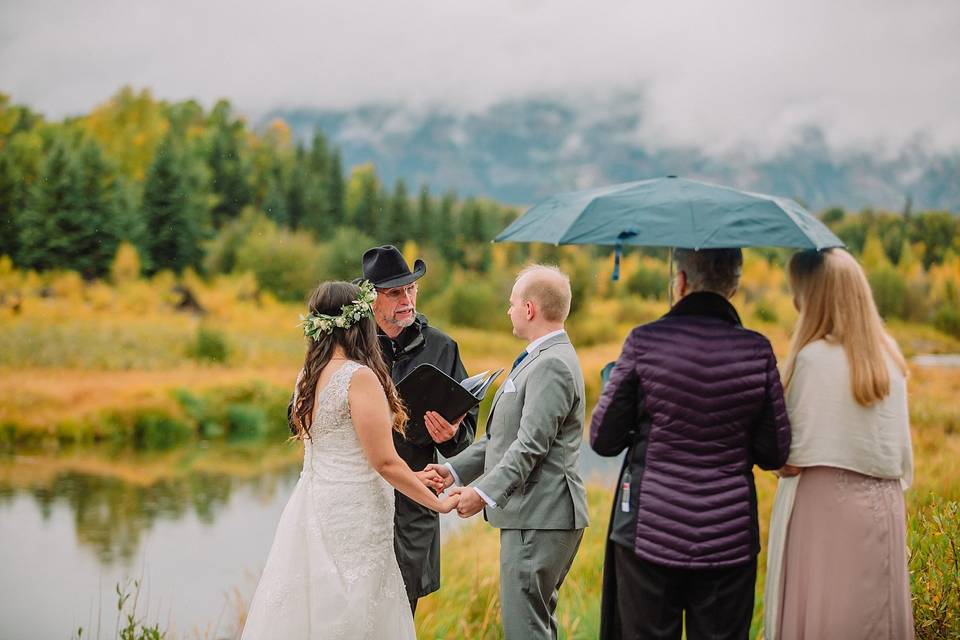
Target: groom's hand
x,y
431,479
438,427
470,501
443,472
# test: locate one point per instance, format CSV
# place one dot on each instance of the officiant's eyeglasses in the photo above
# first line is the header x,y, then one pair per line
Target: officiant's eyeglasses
x,y
398,293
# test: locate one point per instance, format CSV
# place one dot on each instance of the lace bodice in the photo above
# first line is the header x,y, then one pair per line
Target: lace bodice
x,y
333,451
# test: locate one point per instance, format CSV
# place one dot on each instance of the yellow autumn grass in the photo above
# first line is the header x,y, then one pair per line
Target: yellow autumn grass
x,y
40,399
468,604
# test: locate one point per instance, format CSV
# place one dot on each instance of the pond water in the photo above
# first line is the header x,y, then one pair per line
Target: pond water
x,y
195,539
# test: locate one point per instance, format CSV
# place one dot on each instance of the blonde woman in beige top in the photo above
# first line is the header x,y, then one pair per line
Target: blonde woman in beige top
x,y
837,564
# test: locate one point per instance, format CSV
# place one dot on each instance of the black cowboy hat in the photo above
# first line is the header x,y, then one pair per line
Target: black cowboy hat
x,y
385,268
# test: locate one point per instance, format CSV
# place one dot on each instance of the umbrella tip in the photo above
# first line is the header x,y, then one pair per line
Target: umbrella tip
x,y
671,176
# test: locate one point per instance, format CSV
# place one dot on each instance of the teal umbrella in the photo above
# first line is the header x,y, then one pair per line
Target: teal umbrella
x,y
670,212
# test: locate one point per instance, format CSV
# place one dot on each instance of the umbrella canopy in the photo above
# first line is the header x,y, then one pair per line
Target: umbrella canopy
x,y
670,212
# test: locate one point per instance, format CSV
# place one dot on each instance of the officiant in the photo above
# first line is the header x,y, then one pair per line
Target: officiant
x,y
408,340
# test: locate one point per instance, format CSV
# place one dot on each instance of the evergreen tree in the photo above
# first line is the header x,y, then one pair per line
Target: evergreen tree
x,y
316,180
425,218
96,248
475,235
320,159
297,190
229,180
275,202
366,208
173,211
130,222
10,204
336,192
399,226
446,229
52,220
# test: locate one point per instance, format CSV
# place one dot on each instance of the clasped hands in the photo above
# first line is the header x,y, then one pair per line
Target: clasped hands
x,y
439,478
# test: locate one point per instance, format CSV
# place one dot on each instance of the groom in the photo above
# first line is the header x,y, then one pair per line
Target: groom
x,y
526,470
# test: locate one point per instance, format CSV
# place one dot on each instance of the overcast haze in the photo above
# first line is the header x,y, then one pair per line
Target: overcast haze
x,y
711,73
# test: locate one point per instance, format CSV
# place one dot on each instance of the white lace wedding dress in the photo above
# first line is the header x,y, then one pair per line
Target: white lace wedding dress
x,y
332,572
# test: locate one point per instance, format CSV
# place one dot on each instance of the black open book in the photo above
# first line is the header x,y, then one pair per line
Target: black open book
x,y
426,388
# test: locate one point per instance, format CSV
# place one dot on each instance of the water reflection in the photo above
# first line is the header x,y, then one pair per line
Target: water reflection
x,y
111,513
194,524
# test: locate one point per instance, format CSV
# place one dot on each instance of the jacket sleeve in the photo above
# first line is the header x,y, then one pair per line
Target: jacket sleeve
x,y
549,397
616,415
469,463
770,440
468,428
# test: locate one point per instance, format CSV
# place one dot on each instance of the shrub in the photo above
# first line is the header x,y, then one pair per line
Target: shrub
x,y
201,412
889,291
947,319
765,312
934,536
156,430
477,305
288,264
126,264
246,421
587,331
343,252
209,345
651,280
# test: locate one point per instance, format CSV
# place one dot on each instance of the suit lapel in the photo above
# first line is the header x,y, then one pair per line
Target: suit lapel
x,y
523,365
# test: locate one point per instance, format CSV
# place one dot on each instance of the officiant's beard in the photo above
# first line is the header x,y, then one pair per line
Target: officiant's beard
x,y
398,319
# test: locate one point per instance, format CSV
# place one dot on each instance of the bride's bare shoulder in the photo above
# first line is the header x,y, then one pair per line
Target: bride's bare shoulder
x,y
364,380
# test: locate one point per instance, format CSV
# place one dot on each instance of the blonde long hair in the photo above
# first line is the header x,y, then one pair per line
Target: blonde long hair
x,y
836,304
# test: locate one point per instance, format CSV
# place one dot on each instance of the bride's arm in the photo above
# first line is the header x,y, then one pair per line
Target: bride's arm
x,y
371,417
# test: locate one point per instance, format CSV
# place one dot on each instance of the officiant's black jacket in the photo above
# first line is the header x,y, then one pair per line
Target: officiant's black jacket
x,y
416,531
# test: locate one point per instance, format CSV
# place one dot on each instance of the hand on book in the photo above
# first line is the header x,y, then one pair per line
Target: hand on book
x,y
439,429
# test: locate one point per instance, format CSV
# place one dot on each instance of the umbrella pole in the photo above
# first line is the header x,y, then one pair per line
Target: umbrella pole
x,y
670,281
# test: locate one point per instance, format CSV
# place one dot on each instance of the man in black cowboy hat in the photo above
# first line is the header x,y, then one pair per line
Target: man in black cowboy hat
x,y
407,340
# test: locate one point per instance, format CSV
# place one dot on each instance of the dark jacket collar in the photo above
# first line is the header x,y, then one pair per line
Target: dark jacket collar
x,y
706,303
407,342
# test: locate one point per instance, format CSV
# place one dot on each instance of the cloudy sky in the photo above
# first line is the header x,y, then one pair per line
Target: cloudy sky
x,y
710,71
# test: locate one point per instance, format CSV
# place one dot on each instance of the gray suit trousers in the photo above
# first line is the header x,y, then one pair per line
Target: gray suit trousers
x,y
533,564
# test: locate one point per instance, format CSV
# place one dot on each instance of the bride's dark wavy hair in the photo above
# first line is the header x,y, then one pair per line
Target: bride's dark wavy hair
x,y
359,342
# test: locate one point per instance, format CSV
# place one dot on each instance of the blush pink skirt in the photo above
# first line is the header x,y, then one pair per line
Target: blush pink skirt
x,y
845,560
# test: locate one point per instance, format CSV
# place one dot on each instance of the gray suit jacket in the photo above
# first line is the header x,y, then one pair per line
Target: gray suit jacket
x,y
529,460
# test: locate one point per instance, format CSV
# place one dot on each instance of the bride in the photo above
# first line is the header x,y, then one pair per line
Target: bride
x,y
332,571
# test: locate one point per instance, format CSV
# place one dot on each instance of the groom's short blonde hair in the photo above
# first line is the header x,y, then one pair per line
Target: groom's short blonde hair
x,y
548,288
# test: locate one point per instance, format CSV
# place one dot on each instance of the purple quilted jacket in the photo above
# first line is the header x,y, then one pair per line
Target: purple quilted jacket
x,y
696,400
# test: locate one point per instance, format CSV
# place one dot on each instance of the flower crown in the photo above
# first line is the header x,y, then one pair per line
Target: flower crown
x,y
316,325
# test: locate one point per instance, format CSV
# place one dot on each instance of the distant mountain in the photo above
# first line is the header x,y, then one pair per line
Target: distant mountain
x,y
521,151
